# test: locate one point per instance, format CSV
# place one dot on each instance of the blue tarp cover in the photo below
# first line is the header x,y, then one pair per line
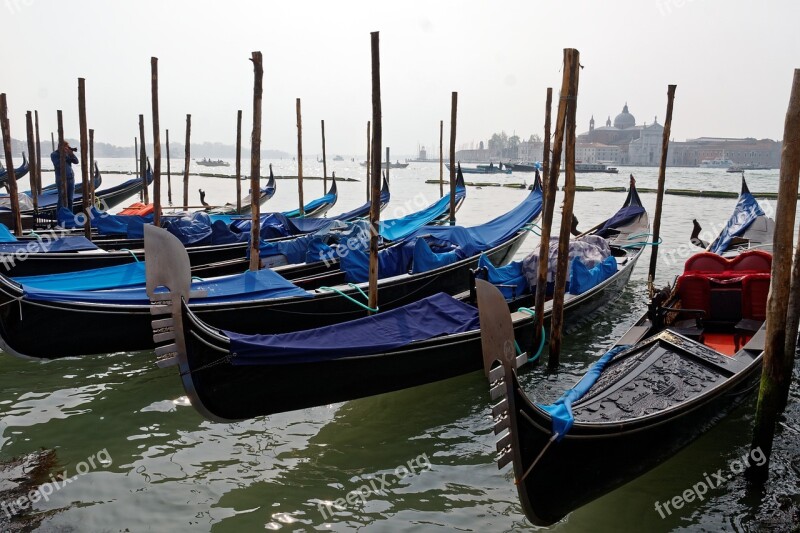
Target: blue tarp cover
x,y
62,244
745,212
431,317
561,410
621,217
6,235
400,228
248,286
510,277
113,277
583,278
312,205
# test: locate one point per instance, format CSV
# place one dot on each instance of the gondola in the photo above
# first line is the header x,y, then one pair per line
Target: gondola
x,y
748,228
19,172
426,341
318,207
266,192
121,319
688,361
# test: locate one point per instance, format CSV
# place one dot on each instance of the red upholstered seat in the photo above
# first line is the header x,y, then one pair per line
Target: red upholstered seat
x,y
752,260
755,288
695,291
706,262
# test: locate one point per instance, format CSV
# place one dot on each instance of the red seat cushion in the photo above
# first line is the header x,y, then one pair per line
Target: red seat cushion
x,y
706,262
695,291
755,288
756,260
751,260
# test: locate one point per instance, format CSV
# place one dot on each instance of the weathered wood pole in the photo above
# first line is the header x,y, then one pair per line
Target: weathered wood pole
x,y
86,195
369,159
548,203
187,155
441,158
662,175
62,159
143,161
38,188
136,156
571,68
776,373
375,206
52,141
255,162
33,161
324,162
156,143
169,173
299,157
453,110
388,163
12,179
239,162
91,165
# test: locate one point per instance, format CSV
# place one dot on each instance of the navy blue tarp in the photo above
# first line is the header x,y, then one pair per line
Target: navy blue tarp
x,y
431,317
745,213
621,217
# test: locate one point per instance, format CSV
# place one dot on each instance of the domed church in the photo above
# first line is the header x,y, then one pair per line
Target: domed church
x,y
624,133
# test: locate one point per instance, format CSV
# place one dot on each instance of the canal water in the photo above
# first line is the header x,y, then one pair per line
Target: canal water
x,y
141,459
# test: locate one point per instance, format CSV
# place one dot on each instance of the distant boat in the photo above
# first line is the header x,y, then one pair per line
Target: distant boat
x,y
741,168
595,167
338,158
485,169
209,163
716,163
398,164
525,167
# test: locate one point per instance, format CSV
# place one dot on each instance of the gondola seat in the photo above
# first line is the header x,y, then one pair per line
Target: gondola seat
x,y
755,288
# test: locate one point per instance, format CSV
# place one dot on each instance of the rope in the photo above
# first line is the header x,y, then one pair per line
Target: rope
x,y
348,297
541,337
639,244
130,252
197,278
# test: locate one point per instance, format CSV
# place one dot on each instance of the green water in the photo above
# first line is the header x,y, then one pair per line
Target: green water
x,y
171,470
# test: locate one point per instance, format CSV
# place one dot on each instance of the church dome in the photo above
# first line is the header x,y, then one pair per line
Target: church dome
x,y
624,119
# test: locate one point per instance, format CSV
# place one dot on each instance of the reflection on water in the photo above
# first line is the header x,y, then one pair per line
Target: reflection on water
x,y
174,471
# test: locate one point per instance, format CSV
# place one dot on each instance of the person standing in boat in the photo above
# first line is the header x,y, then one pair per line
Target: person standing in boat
x,y
70,158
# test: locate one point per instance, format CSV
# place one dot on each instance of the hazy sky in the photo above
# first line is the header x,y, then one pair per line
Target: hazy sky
x,y
732,61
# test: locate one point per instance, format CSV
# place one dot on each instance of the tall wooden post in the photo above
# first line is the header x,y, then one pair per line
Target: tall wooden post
x,y
255,162
548,203
187,152
33,161
375,206
369,159
239,162
136,156
441,158
776,373
156,143
662,174
52,142
12,179
388,164
86,196
62,159
324,162
571,68
299,158
169,173
91,165
38,189
453,109
143,161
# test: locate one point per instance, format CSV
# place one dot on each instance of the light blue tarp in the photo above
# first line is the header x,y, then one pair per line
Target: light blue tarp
x,y
6,235
428,318
399,228
262,284
62,244
745,213
329,198
561,410
509,279
119,276
583,278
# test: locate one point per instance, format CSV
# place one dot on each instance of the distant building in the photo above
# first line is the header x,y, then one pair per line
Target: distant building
x,y
478,155
747,152
530,151
596,153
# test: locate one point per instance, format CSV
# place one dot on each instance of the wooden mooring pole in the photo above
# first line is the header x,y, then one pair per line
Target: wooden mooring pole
x,y
169,172
388,164
38,188
62,159
255,162
52,141
369,159
12,179
324,161
570,98
239,162
156,143
136,156
548,203
86,196
453,114
781,341
662,175
299,158
375,206
143,161
441,158
33,161
187,155
91,165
